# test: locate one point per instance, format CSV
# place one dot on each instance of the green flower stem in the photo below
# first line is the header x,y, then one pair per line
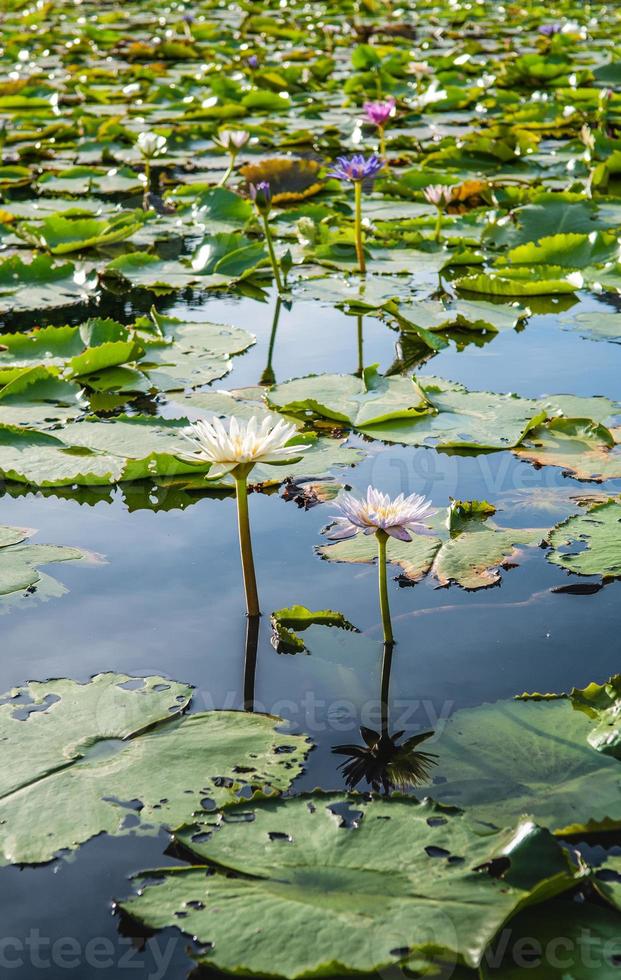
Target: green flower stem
x,y
437,235
360,370
382,144
358,226
147,183
229,171
245,543
272,253
382,538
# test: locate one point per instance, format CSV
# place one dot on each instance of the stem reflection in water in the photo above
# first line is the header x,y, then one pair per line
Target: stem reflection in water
x,y
382,761
250,662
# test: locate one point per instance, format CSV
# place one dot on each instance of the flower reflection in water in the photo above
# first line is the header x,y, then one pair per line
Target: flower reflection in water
x,y
382,760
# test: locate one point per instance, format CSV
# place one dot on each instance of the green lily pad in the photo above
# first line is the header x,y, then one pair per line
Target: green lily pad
x,y
531,757
571,250
593,540
287,623
523,281
377,880
191,354
20,561
117,755
345,398
584,449
460,418
40,284
59,234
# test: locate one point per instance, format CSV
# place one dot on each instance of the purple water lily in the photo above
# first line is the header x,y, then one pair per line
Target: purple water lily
x,y
261,194
378,113
356,168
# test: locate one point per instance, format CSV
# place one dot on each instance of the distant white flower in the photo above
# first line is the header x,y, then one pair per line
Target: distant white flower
x,y
438,194
151,145
399,518
232,139
419,68
243,442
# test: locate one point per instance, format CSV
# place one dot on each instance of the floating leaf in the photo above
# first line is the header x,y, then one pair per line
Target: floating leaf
x,y
463,419
520,281
60,235
583,448
372,878
528,757
20,561
567,941
287,623
40,284
345,398
590,544
117,756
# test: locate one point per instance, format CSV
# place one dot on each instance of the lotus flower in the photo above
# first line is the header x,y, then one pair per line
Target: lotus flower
x,y
261,194
438,194
441,196
379,113
243,443
232,139
356,168
236,450
398,518
151,145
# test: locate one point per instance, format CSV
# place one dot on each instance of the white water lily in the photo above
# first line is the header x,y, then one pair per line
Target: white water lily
x,y
151,145
438,194
243,443
398,518
232,139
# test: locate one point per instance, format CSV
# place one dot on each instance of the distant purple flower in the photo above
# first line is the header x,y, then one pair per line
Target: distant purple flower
x,y
252,61
356,168
188,18
549,30
378,113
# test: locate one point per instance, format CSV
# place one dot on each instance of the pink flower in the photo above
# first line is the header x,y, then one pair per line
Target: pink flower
x,y
438,194
378,113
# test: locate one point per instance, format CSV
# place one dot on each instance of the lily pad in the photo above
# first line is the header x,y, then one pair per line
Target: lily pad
x,y
584,449
531,757
20,561
590,544
345,398
41,284
460,418
570,941
117,755
59,234
287,623
377,880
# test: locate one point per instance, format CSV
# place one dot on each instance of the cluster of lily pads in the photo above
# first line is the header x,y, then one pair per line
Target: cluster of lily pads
x,y
153,152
